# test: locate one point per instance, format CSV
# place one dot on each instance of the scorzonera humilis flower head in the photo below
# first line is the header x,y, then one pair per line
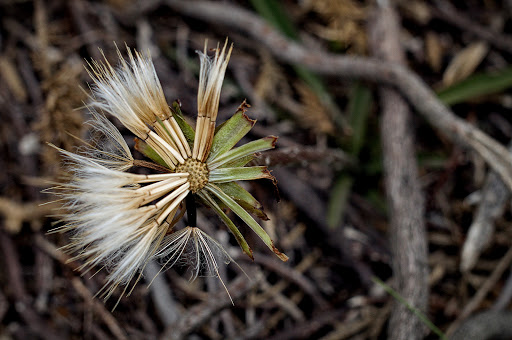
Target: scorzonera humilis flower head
x,y
121,219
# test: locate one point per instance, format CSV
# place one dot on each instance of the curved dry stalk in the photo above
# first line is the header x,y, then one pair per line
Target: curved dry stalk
x,y
410,85
492,205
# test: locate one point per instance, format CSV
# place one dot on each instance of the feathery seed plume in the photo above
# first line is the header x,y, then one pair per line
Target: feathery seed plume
x,y
119,219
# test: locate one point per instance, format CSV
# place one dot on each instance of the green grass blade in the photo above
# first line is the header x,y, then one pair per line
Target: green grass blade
x,y
416,311
338,200
476,86
274,13
359,108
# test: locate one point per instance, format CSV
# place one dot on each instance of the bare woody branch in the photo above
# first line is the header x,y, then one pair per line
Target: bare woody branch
x,y
405,198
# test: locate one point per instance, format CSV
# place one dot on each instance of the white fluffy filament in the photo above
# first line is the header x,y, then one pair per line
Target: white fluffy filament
x,y
196,249
117,219
132,93
121,220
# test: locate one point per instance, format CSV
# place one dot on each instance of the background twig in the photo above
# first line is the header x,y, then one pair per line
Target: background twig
x,y
409,84
405,198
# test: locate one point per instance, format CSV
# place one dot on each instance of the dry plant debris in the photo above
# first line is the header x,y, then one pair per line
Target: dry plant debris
x,y
325,290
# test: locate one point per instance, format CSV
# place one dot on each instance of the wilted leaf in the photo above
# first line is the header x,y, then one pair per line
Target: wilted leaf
x,y
465,63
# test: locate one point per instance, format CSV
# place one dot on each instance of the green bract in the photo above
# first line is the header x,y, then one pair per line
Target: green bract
x,y
227,165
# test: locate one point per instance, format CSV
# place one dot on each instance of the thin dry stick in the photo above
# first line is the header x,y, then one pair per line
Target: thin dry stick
x,y
292,275
99,308
15,213
271,323
305,198
410,85
44,269
348,329
505,296
202,312
23,303
55,252
307,329
78,9
447,12
405,199
4,305
480,295
306,154
284,303
271,292
167,308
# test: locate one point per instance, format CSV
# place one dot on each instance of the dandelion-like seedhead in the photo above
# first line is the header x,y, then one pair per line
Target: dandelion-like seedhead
x,y
120,219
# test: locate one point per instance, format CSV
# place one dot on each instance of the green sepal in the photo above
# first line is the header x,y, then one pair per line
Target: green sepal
x,y
188,131
210,201
244,198
248,219
239,174
148,151
243,151
230,133
237,163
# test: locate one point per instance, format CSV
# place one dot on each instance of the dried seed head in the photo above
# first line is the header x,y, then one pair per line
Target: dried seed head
x,y
122,220
198,173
